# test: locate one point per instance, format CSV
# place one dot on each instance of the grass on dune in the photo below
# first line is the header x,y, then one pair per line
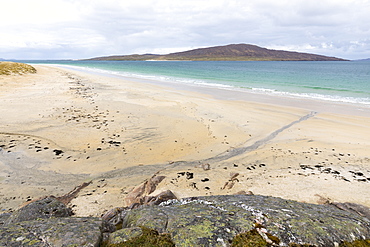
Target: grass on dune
x,y
12,68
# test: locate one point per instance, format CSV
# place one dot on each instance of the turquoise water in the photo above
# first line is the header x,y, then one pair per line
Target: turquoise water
x,y
332,81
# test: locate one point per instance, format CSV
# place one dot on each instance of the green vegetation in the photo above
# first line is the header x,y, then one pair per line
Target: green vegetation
x,y
149,238
301,245
357,243
11,68
249,239
254,239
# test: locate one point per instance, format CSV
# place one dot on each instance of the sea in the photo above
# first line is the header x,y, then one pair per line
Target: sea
x,y
335,81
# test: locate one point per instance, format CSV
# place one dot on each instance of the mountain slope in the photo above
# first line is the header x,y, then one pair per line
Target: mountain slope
x,y
233,52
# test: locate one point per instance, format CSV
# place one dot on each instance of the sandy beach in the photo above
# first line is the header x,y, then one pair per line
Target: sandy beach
x,y
62,127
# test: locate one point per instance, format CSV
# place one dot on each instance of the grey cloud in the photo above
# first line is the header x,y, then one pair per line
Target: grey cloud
x,y
116,27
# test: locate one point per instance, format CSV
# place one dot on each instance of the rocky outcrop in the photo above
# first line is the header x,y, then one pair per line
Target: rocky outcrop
x,y
353,208
140,193
66,231
216,220
41,209
232,220
46,222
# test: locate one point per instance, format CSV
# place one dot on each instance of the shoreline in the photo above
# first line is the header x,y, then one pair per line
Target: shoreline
x,y
237,94
63,127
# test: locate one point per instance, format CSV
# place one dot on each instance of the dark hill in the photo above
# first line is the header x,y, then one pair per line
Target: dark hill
x,y
234,52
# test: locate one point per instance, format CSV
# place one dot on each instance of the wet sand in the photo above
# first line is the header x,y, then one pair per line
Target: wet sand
x,y
61,127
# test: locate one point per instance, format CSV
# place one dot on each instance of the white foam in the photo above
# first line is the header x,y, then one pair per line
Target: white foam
x,y
197,82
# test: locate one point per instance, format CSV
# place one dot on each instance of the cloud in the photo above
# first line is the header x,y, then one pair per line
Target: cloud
x,y
86,28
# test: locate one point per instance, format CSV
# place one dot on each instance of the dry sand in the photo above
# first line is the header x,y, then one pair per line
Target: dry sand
x,y
62,127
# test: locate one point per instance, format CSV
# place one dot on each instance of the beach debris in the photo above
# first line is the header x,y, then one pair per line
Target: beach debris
x,y
251,167
189,175
193,185
206,166
58,152
338,173
179,174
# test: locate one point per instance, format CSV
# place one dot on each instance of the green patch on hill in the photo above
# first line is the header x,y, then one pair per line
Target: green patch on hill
x,y
11,68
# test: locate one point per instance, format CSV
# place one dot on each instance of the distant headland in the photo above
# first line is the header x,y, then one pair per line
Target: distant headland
x,y
233,52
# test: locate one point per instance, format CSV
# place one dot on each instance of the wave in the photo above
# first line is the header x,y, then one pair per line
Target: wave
x,y
163,78
332,98
331,89
258,90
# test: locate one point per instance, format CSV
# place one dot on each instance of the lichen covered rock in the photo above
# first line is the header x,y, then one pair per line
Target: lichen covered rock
x,y
124,235
54,232
42,209
234,220
216,220
4,217
147,238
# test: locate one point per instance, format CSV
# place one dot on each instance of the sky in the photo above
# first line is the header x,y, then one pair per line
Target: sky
x,y
76,29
